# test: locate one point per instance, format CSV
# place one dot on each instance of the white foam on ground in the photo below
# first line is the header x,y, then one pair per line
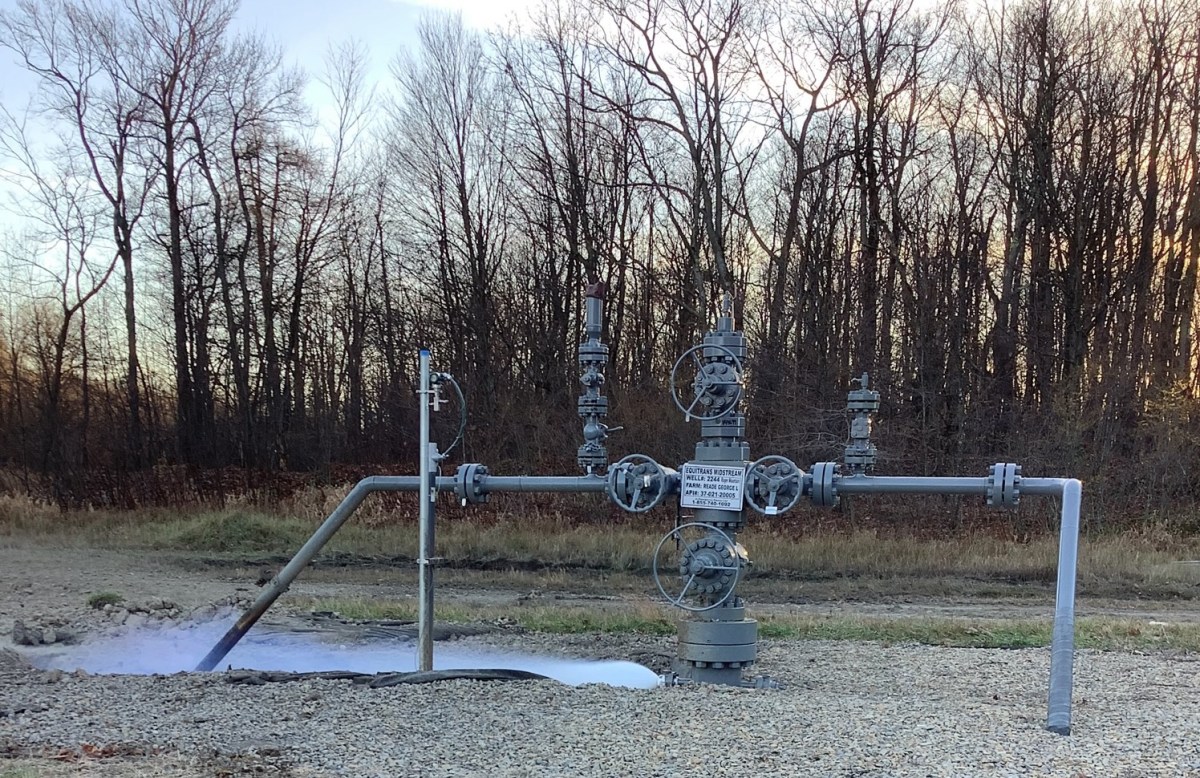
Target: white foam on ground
x,y
177,648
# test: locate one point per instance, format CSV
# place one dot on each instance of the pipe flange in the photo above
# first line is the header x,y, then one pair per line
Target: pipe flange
x,y
715,561
1004,485
468,483
773,485
824,484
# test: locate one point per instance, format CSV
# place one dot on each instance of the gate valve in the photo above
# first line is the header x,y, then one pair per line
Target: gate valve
x,y
773,485
717,386
637,483
710,567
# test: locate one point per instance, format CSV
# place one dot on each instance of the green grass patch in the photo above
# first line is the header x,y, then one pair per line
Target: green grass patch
x,y
100,599
1107,634
633,618
19,772
233,532
931,632
574,622
643,618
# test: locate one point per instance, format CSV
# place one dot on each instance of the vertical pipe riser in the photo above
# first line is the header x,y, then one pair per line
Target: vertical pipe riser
x,y
1062,646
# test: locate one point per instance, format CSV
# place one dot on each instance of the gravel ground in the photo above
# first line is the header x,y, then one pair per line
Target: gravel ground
x,y
847,710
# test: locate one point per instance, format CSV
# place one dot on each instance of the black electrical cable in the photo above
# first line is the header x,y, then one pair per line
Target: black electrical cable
x,y
462,410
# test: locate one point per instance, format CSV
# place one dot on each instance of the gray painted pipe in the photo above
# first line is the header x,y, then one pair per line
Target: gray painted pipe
x,y
379,483
280,583
903,484
543,483
1062,644
1062,650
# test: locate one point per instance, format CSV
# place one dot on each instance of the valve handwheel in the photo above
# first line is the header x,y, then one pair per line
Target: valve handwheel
x,y
637,483
717,385
708,566
778,480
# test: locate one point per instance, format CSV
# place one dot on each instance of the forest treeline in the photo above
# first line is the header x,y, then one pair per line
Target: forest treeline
x,y
994,210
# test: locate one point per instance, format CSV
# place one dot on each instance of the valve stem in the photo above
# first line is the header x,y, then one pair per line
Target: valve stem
x,y
593,406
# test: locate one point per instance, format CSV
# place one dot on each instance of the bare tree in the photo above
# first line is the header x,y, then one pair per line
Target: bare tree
x,y
73,49
68,278
170,55
450,132
692,57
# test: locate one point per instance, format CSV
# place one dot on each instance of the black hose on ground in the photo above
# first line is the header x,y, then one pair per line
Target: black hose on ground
x,y
382,680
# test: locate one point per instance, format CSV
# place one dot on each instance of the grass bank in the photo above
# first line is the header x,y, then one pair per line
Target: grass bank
x,y
649,619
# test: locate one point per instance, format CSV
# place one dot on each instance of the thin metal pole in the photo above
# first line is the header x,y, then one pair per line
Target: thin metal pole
x,y
425,529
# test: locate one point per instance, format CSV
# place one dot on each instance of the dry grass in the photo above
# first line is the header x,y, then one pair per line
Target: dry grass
x,y
1130,559
1146,563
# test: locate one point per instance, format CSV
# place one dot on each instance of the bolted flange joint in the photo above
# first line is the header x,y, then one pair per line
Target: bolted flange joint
x,y
468,484
1004,485
823,488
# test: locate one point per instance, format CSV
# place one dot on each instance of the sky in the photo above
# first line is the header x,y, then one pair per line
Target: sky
x,y
305,29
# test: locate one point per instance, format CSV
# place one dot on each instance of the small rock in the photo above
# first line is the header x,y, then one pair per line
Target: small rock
x,y
17,710
49,636
256,748
12,661
25,636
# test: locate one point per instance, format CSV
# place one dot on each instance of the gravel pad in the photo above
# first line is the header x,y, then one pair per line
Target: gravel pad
x,y
847,710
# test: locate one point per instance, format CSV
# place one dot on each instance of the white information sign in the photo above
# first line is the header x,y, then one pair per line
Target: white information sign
x,y
712,486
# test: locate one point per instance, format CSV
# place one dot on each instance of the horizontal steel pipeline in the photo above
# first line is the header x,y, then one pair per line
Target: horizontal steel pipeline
x,y
541,483
902,484
581,484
